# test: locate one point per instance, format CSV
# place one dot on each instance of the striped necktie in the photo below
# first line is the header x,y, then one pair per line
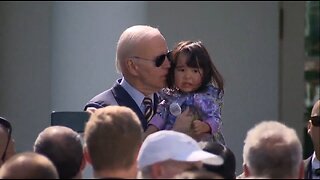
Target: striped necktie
x,y
148,108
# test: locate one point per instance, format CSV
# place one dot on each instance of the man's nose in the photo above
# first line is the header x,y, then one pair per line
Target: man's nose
x,y
166,63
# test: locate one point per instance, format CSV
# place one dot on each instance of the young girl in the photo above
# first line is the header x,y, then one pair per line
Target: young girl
x,y
194,82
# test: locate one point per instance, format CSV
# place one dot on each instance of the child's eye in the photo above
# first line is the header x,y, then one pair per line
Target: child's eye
x,y
195,70
181,69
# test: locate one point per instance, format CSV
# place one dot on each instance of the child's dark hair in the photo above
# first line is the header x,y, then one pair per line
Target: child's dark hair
x,y
198,57
228,168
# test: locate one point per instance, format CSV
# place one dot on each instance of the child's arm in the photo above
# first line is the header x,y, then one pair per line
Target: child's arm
x,y
210,106
211,124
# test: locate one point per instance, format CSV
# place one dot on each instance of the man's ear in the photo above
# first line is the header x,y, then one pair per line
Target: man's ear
x,y
246,170
86,155
132,67
156,170
83,163
301,171
309,126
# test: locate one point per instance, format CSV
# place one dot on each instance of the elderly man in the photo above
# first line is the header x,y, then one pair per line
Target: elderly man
x,y
142,59
272,150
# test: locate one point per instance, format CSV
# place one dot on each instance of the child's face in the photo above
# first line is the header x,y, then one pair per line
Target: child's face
x,y
187,79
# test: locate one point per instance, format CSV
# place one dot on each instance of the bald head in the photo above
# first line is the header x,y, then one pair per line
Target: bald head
x,y
28,165
63,147
132,39
60,133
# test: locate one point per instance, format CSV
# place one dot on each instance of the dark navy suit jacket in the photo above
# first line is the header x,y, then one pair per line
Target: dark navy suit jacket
x,y
307,168
117,95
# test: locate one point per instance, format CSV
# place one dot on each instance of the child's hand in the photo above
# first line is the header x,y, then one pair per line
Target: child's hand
x,y
200,127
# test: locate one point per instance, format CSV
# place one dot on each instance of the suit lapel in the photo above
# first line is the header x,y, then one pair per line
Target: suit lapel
x,y
307,168
124,99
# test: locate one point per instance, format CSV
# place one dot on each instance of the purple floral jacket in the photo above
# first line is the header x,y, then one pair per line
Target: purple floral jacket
x,y
205,105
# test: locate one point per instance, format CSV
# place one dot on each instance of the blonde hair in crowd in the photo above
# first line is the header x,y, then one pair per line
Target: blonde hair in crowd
x,y
123,136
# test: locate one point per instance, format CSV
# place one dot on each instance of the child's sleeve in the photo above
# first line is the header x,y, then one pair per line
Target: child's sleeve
x,y
210,105
158,119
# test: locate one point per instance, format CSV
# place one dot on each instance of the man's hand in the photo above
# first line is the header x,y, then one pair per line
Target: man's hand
x,y
183,122
200,127
151,129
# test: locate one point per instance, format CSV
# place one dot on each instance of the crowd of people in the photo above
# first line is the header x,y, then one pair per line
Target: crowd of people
x,y
162,119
